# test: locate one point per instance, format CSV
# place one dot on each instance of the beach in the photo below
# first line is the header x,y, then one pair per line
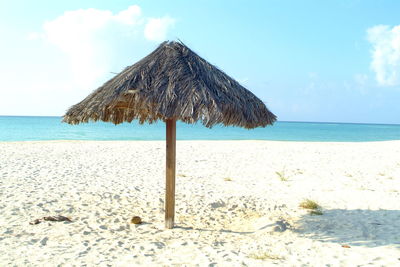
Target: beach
x,y
237,203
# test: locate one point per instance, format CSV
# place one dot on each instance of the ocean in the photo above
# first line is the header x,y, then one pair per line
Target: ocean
x,y
21,128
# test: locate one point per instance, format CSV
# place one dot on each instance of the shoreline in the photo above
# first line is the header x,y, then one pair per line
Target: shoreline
x,y
205,140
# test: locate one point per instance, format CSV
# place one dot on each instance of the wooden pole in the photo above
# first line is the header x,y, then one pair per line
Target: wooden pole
x,y
170,174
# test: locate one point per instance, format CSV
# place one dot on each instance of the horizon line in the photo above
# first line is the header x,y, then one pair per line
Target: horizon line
x,y
289,121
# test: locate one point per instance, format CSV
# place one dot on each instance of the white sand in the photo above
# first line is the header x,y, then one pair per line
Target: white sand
x,y
232,207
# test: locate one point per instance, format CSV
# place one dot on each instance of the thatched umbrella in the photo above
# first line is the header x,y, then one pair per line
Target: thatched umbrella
x,y
172,83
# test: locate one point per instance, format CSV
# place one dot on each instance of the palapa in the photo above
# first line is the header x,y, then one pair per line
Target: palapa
x,y
172,83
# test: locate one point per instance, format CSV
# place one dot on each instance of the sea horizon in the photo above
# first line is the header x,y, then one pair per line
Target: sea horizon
x,y
286,121
43,128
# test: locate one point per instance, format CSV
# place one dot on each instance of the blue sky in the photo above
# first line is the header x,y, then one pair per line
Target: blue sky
x,y
307,60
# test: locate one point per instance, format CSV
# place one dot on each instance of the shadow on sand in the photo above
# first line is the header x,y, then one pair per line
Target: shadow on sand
x,y
371,228
278,226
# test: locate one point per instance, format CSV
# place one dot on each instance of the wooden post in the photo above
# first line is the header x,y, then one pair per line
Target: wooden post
x,y
170,173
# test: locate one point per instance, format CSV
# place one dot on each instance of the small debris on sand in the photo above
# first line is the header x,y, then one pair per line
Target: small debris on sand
x,y
136,220
57,218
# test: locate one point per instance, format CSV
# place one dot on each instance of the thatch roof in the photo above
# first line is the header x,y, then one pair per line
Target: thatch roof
x,y
172,82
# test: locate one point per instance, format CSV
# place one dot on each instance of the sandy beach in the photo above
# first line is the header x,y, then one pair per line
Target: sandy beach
x,y
237,204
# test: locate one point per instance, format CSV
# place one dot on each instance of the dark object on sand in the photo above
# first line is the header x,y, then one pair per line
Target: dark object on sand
x,y
172,83
136,220
57,218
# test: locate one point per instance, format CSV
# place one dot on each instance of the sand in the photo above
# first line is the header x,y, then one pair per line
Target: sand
x,y
237,204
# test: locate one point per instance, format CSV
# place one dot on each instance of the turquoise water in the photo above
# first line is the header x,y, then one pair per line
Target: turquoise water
x,y
13,128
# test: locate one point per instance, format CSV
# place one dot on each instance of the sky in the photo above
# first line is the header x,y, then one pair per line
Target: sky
x,y
320,61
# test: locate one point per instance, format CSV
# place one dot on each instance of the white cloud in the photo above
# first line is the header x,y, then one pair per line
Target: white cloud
x,y
130,16
33,36
156,28
385,54
91,37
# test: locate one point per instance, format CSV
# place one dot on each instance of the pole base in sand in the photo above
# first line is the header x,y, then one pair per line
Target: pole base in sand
x,y
169,223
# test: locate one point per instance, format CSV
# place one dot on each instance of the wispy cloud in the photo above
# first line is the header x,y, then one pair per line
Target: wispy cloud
x,y
385,54
33,36
156,28
90,37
